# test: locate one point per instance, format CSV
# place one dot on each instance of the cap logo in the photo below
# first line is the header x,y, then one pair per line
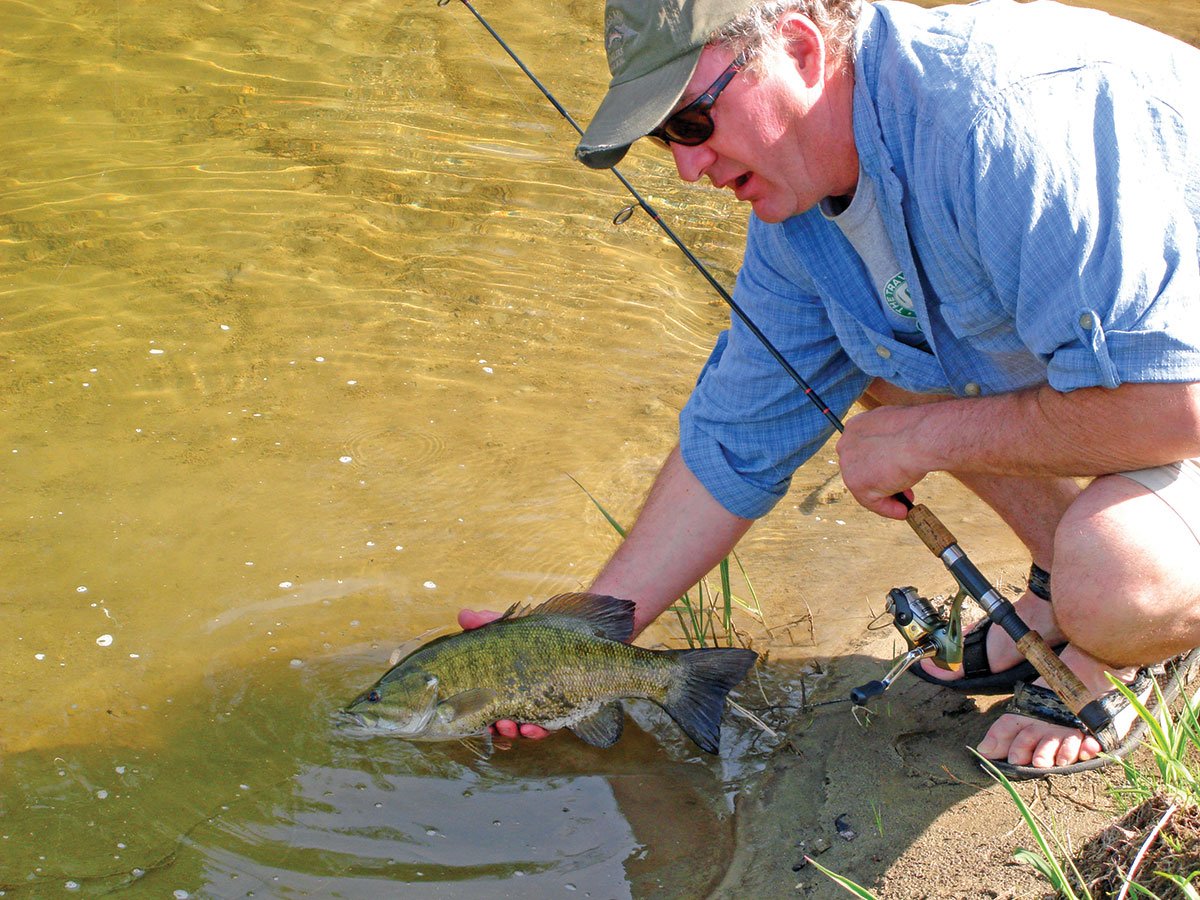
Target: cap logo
x,y
616,33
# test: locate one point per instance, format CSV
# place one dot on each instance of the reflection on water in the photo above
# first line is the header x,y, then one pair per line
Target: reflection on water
x,y
306,314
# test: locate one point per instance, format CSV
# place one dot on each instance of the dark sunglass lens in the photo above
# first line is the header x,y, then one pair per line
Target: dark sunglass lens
x,y
689,127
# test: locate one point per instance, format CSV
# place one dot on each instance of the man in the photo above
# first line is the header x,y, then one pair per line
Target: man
x,y
981,222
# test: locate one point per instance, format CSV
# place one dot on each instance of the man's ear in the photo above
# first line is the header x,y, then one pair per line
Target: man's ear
x,y
803,42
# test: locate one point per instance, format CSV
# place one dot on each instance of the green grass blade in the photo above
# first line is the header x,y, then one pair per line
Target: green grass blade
x,y
842,881
1049,866
604,512
727,602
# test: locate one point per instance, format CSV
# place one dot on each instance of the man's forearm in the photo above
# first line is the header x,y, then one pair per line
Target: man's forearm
x,y
1035,433
681,533
1042,432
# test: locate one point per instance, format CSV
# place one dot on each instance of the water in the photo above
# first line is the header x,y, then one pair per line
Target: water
x,y
306,316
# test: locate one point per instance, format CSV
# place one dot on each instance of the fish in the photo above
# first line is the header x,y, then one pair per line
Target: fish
x,y
564,664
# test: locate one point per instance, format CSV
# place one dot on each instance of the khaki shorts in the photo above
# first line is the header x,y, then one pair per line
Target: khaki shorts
x,y
1177,485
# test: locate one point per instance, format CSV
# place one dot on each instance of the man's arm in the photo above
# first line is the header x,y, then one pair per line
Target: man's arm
x,y
679,536
681,533
1040,432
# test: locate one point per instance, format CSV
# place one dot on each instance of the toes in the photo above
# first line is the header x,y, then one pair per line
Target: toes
x,y
1000,736
1069,750
1033,745
1028,742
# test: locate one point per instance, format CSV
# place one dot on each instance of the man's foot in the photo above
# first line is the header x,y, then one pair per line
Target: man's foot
x,y
1033,742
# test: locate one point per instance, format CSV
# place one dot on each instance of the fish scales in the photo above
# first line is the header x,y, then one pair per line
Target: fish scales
x,y
545,673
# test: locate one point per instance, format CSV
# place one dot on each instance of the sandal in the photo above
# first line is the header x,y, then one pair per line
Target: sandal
x,y
1038,702
978,677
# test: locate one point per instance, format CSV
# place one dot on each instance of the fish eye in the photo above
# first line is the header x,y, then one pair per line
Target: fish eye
x,y
374,697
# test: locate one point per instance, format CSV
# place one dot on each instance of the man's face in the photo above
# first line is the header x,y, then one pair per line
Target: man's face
x,y
783,138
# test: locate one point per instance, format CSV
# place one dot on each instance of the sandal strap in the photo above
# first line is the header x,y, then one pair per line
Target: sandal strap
x,y
1039,702
1039,582
974,658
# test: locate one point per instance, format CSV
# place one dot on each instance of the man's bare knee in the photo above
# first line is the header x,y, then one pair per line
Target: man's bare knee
x,y
1125,582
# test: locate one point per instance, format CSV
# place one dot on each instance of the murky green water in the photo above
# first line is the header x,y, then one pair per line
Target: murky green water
x,y
306,315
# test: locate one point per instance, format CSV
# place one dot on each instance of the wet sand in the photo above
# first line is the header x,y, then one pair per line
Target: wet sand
x,y
927,821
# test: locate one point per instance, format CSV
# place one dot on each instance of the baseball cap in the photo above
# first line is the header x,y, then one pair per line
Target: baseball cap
x,y
653,47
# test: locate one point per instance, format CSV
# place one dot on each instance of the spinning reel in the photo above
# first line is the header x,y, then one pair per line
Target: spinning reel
x,y
928,633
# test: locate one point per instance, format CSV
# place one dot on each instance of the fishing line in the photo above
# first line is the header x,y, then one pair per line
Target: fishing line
x,y
641,201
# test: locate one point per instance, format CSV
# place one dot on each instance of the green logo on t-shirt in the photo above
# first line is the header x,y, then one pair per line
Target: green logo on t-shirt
x,y
898,299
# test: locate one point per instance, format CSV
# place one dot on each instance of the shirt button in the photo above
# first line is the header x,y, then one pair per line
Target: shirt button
x,y
971,389
883,351
1086,321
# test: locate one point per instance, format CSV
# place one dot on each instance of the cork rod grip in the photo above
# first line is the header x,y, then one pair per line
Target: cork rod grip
x,y
929,529
1062,680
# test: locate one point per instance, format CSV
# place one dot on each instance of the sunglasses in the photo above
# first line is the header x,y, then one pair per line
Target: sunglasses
x,y
693,125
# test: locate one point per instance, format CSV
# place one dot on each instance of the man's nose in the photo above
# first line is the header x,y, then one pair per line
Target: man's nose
x,y
691,162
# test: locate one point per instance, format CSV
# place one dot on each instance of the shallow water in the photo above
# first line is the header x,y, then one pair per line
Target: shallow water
x,y
306,317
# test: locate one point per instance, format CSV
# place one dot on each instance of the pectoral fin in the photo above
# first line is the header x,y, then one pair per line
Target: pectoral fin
x,y
603,727
465,703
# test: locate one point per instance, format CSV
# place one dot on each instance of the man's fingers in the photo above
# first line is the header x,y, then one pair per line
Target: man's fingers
x,y
507,728
470,618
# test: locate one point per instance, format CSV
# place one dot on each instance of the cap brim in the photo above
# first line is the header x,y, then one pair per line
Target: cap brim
x,y
631,109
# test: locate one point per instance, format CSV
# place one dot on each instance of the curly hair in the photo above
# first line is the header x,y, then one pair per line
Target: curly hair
x,y
755,29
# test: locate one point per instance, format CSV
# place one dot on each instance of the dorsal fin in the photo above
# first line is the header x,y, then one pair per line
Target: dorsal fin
x,y
514,612
603,616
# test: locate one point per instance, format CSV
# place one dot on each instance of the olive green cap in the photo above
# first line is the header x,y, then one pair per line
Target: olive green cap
x,y
653,47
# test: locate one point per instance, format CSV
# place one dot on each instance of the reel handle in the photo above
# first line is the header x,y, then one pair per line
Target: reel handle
x,y
865,692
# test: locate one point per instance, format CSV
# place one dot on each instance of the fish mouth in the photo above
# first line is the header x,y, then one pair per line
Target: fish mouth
x,y
348,717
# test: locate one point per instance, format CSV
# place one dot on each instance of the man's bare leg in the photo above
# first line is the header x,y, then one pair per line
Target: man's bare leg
x,y
1126,593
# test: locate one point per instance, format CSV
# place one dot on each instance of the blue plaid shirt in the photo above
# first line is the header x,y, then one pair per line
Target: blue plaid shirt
x,y
1038,169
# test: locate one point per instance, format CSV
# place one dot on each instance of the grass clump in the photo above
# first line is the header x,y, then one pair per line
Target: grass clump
x,y
1153,850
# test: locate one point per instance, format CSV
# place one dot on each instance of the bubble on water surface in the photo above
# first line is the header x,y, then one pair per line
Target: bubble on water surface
x,y
431,585
285,584
345,459
82,589
39,656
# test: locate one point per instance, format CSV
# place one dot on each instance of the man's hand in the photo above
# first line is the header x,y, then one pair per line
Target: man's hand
x,y
468,619
877,461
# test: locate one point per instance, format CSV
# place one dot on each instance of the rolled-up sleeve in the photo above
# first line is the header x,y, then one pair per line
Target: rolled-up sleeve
x,y
748,425
1085,223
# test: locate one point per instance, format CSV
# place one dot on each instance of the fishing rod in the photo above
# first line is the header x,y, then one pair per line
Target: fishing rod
x,y
929,635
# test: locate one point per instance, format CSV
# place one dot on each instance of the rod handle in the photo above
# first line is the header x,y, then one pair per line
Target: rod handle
x,y
1061,680
929,529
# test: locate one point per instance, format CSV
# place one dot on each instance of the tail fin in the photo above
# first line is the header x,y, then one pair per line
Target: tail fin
x,y
696,697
